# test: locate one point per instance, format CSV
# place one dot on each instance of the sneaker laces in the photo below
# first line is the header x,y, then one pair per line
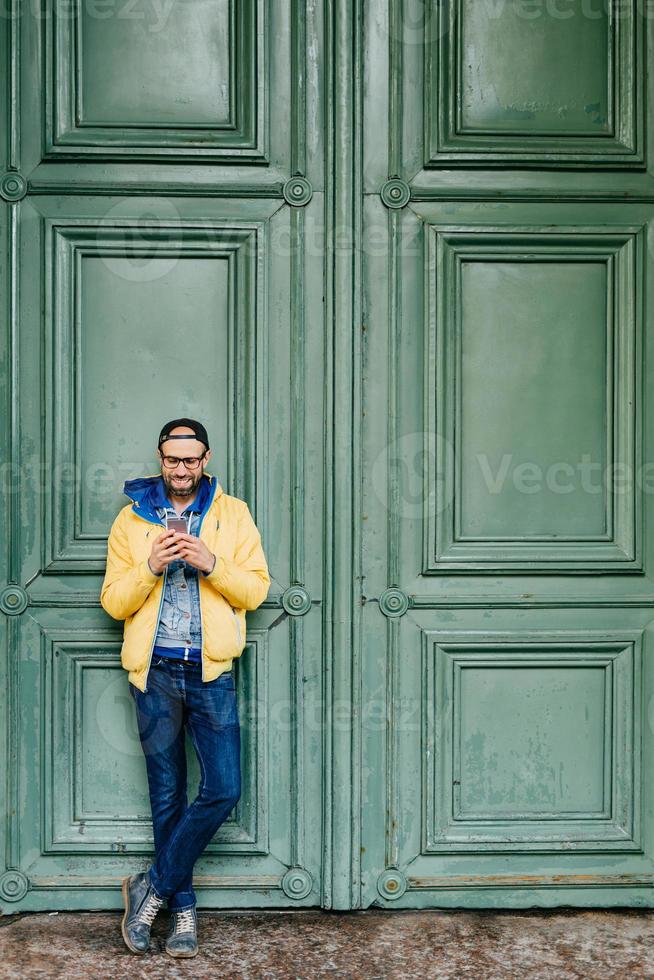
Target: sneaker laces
x,y
184,921
150,908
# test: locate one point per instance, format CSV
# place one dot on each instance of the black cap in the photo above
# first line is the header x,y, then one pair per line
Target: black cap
x,y
198,429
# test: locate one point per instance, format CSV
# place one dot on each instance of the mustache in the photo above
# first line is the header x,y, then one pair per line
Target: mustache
x,y
171,480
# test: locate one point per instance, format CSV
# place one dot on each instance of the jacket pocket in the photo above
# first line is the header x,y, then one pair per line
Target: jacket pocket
x,y
220,627
134,651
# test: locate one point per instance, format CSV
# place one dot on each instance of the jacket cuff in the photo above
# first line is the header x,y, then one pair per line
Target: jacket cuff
x,y
216,572
207,574
149,575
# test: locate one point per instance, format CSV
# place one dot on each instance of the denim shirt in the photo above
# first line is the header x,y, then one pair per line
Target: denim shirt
x,y
179,632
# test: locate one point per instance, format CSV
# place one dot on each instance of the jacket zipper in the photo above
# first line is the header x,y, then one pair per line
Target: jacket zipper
x,y
213,497
202,645
156,626
161,598
201,628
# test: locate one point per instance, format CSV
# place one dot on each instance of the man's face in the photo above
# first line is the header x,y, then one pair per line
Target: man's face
x,y
180,480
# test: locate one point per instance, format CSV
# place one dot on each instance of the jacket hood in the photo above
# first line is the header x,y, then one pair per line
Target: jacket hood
x,y
140,491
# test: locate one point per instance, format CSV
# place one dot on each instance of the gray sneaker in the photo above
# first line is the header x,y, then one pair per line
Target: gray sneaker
x,y
182,938
141,905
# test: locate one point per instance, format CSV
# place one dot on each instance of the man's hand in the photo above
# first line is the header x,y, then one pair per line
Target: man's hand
x,y
195,552
165,549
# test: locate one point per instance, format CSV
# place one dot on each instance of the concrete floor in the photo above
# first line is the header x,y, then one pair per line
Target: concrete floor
x,y
300,945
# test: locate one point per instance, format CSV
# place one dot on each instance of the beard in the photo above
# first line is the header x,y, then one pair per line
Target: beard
x,y
182,489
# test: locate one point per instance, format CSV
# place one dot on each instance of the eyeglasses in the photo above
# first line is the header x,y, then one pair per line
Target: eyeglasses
x,y
190,462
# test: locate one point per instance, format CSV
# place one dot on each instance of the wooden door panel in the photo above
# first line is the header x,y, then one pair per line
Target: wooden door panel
x,y
508,577
163,200
499,88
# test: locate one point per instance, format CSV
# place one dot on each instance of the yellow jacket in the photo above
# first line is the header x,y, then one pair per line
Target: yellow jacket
x,y
131,592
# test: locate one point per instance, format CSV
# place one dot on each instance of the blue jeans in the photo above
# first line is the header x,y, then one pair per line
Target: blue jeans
x,y
178,697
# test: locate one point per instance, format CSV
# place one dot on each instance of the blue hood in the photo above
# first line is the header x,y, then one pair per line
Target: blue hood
x,y
143,489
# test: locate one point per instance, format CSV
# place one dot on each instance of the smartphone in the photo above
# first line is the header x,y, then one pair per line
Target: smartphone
x,y
176,524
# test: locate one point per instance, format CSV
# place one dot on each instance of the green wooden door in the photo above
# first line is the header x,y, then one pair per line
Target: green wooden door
x,y
163,193
397,256
506,509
